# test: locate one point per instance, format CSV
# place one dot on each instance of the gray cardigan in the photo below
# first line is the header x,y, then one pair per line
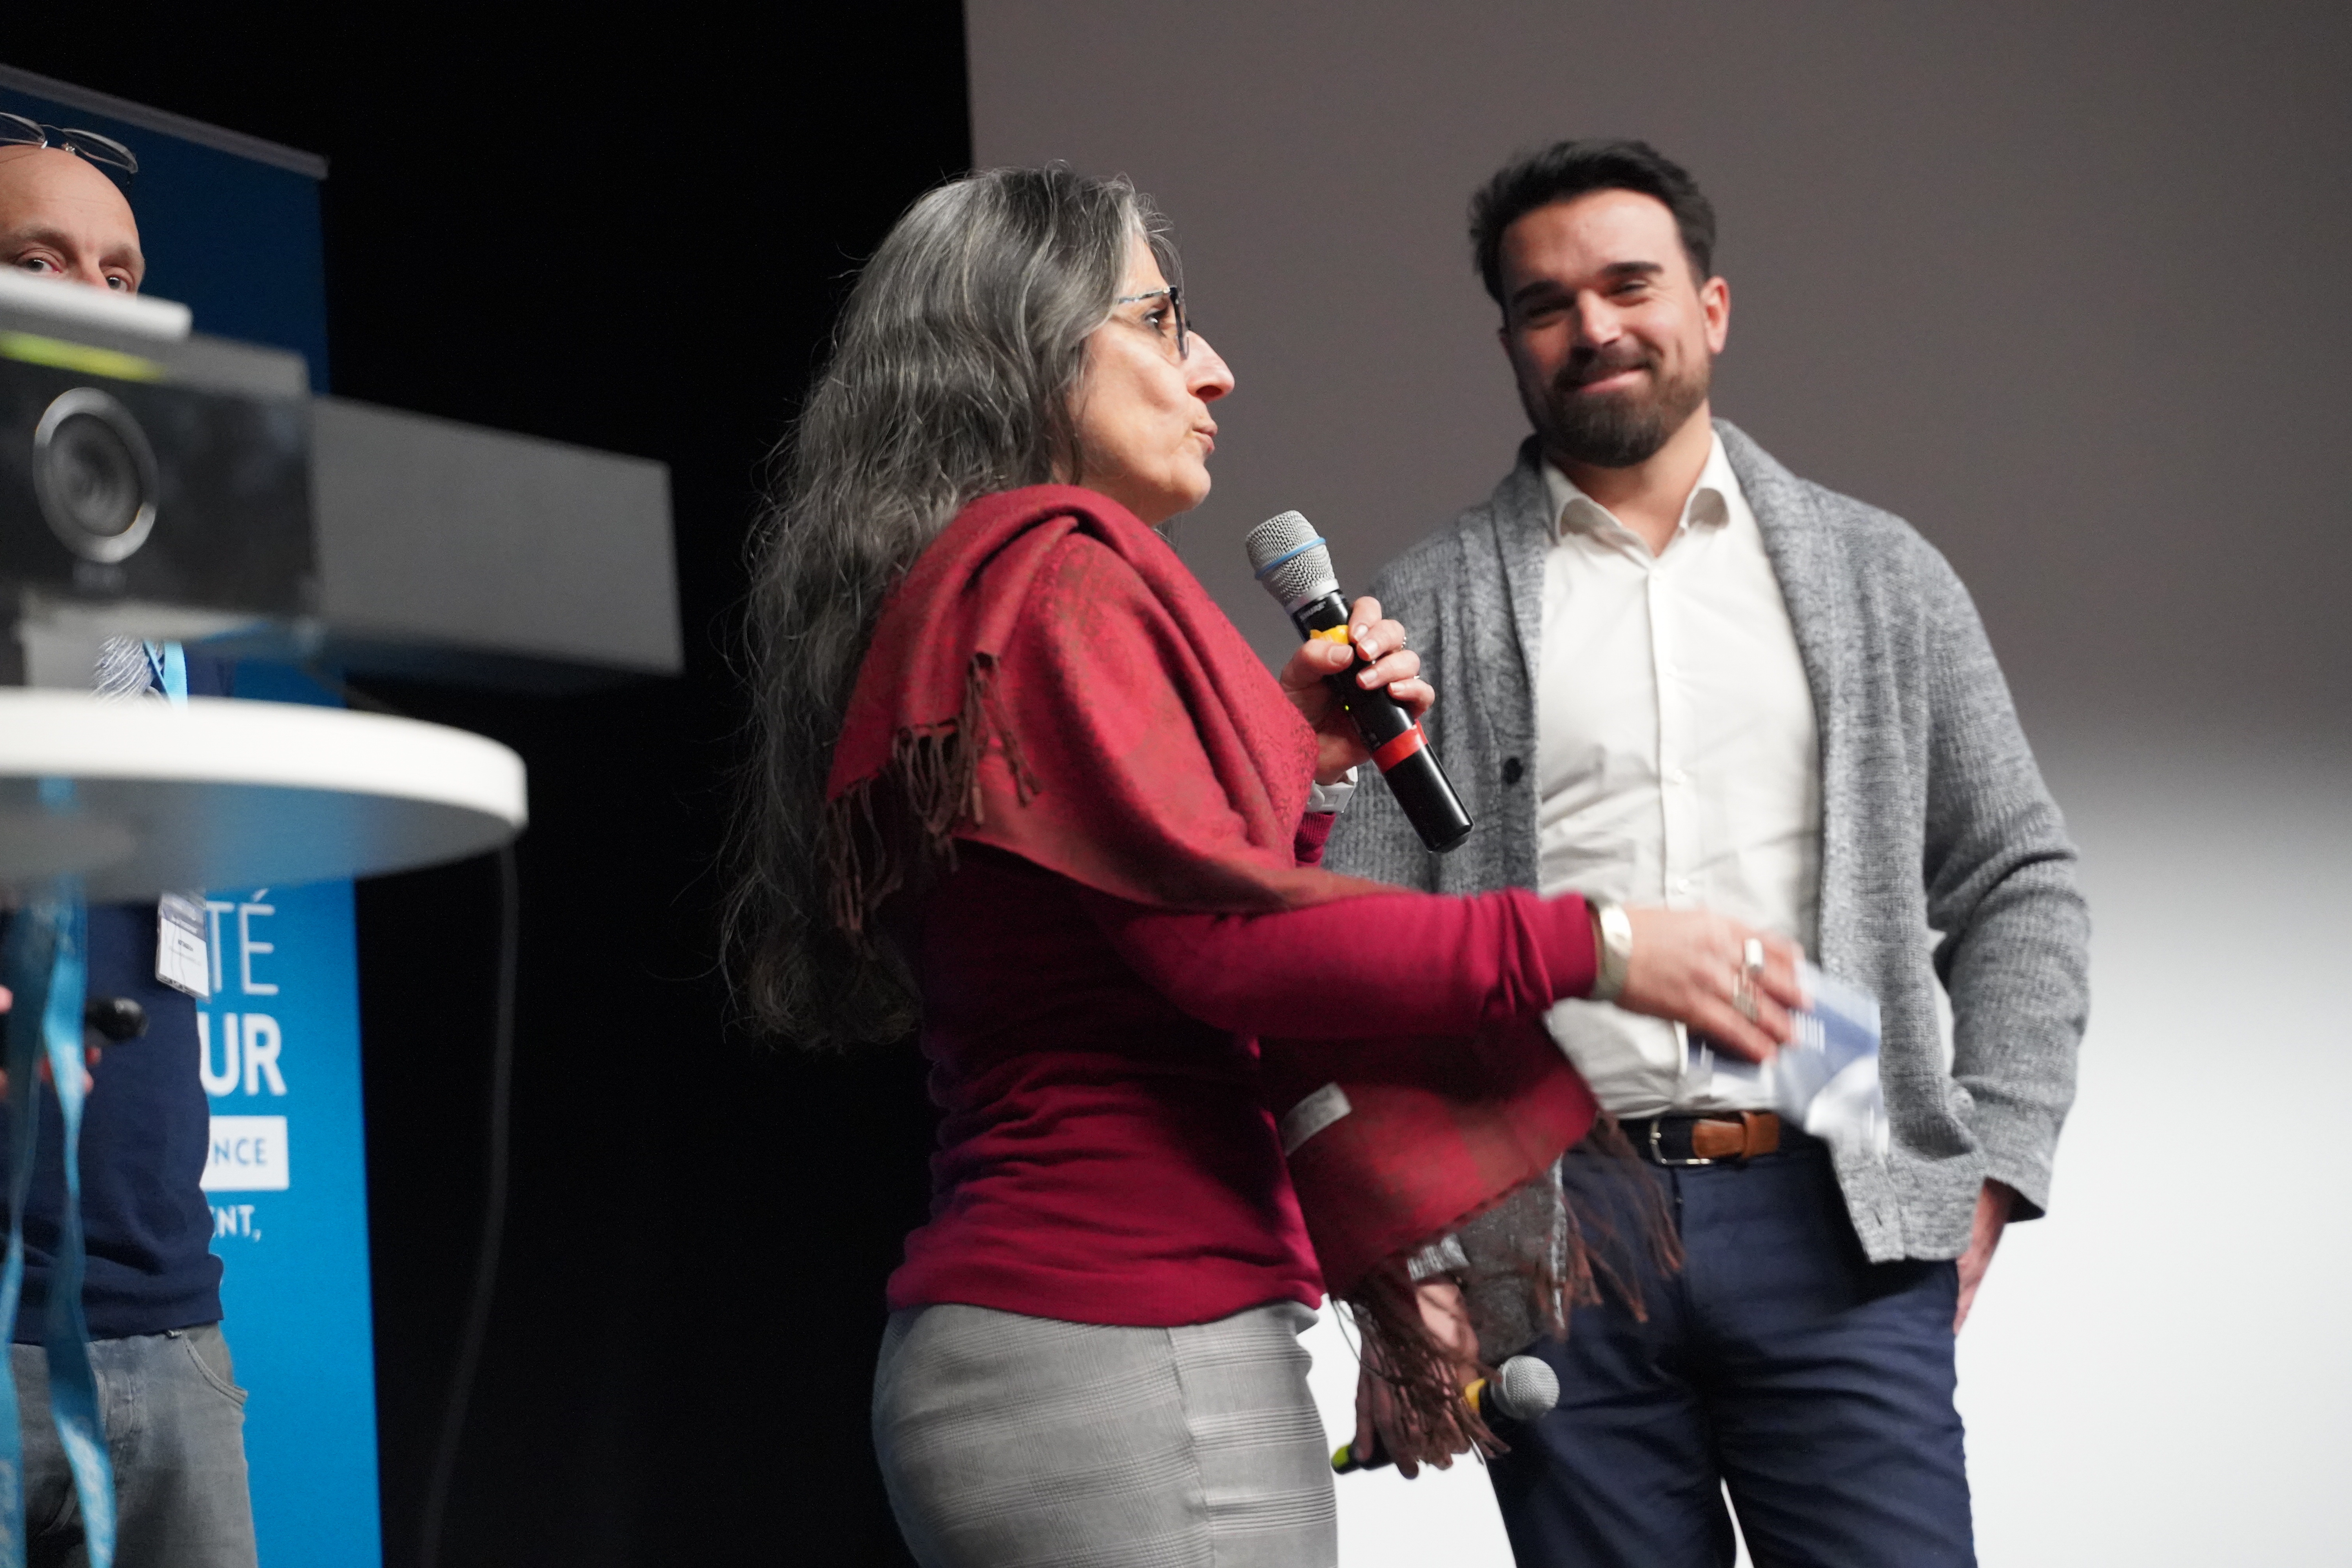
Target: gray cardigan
x,y
1940,845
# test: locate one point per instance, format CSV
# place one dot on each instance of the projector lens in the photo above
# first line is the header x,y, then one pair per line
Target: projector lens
x,y
97,479
95,474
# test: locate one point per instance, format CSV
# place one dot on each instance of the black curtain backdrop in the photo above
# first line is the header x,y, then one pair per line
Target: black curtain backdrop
x,y
634,237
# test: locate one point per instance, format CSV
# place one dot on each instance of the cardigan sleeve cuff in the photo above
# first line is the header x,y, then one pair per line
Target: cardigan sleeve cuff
x,y
2017,1154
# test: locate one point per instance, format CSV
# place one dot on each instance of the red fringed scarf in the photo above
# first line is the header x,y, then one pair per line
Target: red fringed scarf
x,y
1162,764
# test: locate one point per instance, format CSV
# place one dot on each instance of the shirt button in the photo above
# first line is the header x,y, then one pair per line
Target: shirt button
x,y
1511,770
1676,777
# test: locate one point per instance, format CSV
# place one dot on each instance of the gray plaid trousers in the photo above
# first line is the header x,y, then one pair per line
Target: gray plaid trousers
x,y
1010,1440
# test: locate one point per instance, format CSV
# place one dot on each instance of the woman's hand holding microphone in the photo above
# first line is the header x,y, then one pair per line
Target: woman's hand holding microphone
x,y
1339,744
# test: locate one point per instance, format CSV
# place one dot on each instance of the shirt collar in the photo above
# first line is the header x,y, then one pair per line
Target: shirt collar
x,y
1709,506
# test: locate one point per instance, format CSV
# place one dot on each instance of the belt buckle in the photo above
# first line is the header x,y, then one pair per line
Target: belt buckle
x,y
1657,1155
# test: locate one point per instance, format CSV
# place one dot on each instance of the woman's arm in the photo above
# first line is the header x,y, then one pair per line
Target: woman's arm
x,y
1381,964
1407,963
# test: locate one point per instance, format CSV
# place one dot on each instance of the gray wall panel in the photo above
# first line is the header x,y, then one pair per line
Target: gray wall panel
x,y
2058,283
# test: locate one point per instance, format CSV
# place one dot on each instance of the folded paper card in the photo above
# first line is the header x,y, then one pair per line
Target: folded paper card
x,y
1825,1079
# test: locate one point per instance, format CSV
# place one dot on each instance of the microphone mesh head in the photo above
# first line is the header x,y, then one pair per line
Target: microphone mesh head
x,y
1290,559
1524,1388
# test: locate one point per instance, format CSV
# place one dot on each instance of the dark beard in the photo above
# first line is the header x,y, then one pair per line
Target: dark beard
x,y
1622,428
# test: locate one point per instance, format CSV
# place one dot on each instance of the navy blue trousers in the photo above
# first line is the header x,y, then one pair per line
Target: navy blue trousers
x,y
1781,1363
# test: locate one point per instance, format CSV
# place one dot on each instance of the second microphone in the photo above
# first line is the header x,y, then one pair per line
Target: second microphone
x,y
1295,564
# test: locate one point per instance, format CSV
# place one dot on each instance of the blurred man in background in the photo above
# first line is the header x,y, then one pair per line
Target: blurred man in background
x,y
174,1415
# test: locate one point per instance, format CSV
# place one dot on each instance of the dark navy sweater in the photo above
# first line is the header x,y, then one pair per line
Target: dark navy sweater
x,y
144,1132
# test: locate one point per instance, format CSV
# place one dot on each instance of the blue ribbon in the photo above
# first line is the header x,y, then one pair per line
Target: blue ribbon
x,y
47,963
167,671
25,944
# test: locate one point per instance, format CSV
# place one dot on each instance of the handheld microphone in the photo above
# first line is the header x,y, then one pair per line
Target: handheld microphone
x,y
1292,561
1521,1389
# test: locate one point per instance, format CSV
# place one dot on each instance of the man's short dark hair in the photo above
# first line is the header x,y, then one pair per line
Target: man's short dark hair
x,y
1567,170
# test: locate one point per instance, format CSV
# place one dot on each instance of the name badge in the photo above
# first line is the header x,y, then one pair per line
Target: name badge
x,y
183,959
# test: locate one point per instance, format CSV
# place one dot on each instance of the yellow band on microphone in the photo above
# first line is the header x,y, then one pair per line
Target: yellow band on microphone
x,y
1343,1457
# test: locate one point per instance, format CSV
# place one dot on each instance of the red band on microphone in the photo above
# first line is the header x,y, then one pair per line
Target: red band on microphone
x,y
1400,748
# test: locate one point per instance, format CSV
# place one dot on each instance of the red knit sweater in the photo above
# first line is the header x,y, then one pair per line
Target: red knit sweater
x,y
1103,1156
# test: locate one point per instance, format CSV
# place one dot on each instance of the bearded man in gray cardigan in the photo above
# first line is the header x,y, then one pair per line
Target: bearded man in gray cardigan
x,y
1673,672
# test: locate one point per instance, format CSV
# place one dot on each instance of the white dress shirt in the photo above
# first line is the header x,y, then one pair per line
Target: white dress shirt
x,y
1677,756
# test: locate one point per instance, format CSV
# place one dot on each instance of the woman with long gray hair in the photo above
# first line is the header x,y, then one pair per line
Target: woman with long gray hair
x,y
1019,786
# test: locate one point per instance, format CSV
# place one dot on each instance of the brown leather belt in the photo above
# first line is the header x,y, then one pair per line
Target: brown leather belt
x,y
1704,1140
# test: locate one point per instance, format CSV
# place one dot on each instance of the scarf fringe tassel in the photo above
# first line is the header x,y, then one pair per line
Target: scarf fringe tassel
x,y
931,785
1595,1224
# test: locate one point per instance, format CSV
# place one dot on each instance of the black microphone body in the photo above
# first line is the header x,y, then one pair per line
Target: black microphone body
x,y
1413,773
1378,717
1294,564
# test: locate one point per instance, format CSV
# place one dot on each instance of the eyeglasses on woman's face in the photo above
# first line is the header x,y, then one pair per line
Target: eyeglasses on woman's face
x,y
1167,322
117,162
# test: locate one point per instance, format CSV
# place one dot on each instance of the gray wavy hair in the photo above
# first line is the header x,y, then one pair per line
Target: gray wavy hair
x,y
954,372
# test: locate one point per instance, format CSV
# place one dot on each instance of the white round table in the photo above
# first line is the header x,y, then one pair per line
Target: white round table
x,y
142,797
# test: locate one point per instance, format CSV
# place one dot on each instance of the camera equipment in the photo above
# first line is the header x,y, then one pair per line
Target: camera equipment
x,y
165,478
159,483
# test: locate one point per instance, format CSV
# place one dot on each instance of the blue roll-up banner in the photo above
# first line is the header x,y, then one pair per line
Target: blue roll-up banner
x,y
288,1184
232,230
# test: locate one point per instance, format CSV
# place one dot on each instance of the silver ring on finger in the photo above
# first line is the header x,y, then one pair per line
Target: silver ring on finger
x,y
1752,967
